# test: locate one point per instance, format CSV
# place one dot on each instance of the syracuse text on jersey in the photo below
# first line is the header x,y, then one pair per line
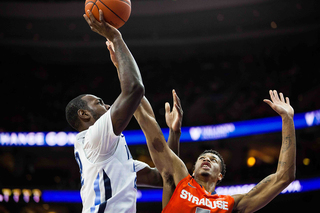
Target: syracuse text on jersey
x,y
204,201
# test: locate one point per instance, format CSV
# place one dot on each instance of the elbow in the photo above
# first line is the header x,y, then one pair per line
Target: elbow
x,y
136,89
292,177
287,181
292,174
288,175
288,178
139,89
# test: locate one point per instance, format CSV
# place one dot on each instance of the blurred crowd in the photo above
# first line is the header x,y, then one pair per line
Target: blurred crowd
x,y
213,88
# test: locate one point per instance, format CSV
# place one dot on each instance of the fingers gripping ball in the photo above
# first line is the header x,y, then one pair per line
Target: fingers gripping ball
x,y
115,12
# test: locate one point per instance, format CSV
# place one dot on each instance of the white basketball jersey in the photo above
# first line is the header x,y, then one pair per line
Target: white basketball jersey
x,y
108,172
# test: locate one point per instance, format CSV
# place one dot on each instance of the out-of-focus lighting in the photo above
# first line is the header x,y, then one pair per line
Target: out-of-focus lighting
x,y
26,195
306,161
36,195
46,206
273,25
251,161
16,194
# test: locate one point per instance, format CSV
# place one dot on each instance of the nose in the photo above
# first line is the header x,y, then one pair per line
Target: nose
x,y
107,106
206,159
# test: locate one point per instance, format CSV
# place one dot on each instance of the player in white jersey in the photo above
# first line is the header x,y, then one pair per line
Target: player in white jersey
x,y
108,173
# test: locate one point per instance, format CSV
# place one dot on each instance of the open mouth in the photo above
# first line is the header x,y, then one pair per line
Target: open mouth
x,y
205,165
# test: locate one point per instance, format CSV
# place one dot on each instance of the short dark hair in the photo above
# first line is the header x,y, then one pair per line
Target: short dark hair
x,y
72,110
223,165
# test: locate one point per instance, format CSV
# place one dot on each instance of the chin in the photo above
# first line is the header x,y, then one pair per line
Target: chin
x,y
205,174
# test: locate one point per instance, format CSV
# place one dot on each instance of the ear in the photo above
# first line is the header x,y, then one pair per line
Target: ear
x,y
220,176
84,114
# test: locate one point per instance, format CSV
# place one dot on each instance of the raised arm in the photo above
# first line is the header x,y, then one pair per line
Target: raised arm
x,y
132,89
165,160
151,176
273,184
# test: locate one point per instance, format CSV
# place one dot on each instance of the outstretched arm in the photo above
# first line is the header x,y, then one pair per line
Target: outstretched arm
x,y
273,184
165,160
132,89
151,176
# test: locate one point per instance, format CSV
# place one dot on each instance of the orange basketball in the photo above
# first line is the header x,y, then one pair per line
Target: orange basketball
x,y
115,12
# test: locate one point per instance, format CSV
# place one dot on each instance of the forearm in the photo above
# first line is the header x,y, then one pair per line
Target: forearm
x,y
158,148
174,141
272,185
128,70
287,159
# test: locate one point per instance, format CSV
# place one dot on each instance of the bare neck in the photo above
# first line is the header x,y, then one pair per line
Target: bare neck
x,y
208,183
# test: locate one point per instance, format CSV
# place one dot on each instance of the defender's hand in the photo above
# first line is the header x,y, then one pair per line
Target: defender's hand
x,y
174,118
280,105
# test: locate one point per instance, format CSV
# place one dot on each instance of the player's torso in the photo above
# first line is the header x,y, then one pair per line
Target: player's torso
x,y
190,197
110,185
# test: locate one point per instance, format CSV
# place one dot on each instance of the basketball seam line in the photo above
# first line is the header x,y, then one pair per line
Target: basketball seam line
x,y
126,2
94,4
112,11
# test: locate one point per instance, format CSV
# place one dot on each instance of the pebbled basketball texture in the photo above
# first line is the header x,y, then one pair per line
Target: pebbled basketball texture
x,y
115,12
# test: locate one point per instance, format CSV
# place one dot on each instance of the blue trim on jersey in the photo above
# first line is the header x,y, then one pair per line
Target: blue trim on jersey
x,y
107,192
107,186
97,192
80,167
128,152
191,185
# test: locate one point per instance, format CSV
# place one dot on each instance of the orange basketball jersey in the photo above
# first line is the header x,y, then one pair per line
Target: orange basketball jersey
x,y
191,197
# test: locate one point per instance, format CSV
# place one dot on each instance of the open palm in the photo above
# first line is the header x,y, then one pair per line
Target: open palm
x,y
174,118
280,104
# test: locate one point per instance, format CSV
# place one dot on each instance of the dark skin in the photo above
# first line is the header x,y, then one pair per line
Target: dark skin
x,y
132,91
208,166
146,119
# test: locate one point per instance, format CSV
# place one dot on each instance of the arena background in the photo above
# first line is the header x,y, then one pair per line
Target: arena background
x,y
222,57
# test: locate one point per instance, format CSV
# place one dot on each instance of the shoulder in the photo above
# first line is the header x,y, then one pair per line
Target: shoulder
x,y
185,180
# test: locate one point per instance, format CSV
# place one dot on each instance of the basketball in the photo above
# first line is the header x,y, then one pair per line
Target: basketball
x,y
115,12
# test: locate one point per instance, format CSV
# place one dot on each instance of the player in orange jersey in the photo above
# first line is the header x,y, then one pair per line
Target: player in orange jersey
x,y
196,193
